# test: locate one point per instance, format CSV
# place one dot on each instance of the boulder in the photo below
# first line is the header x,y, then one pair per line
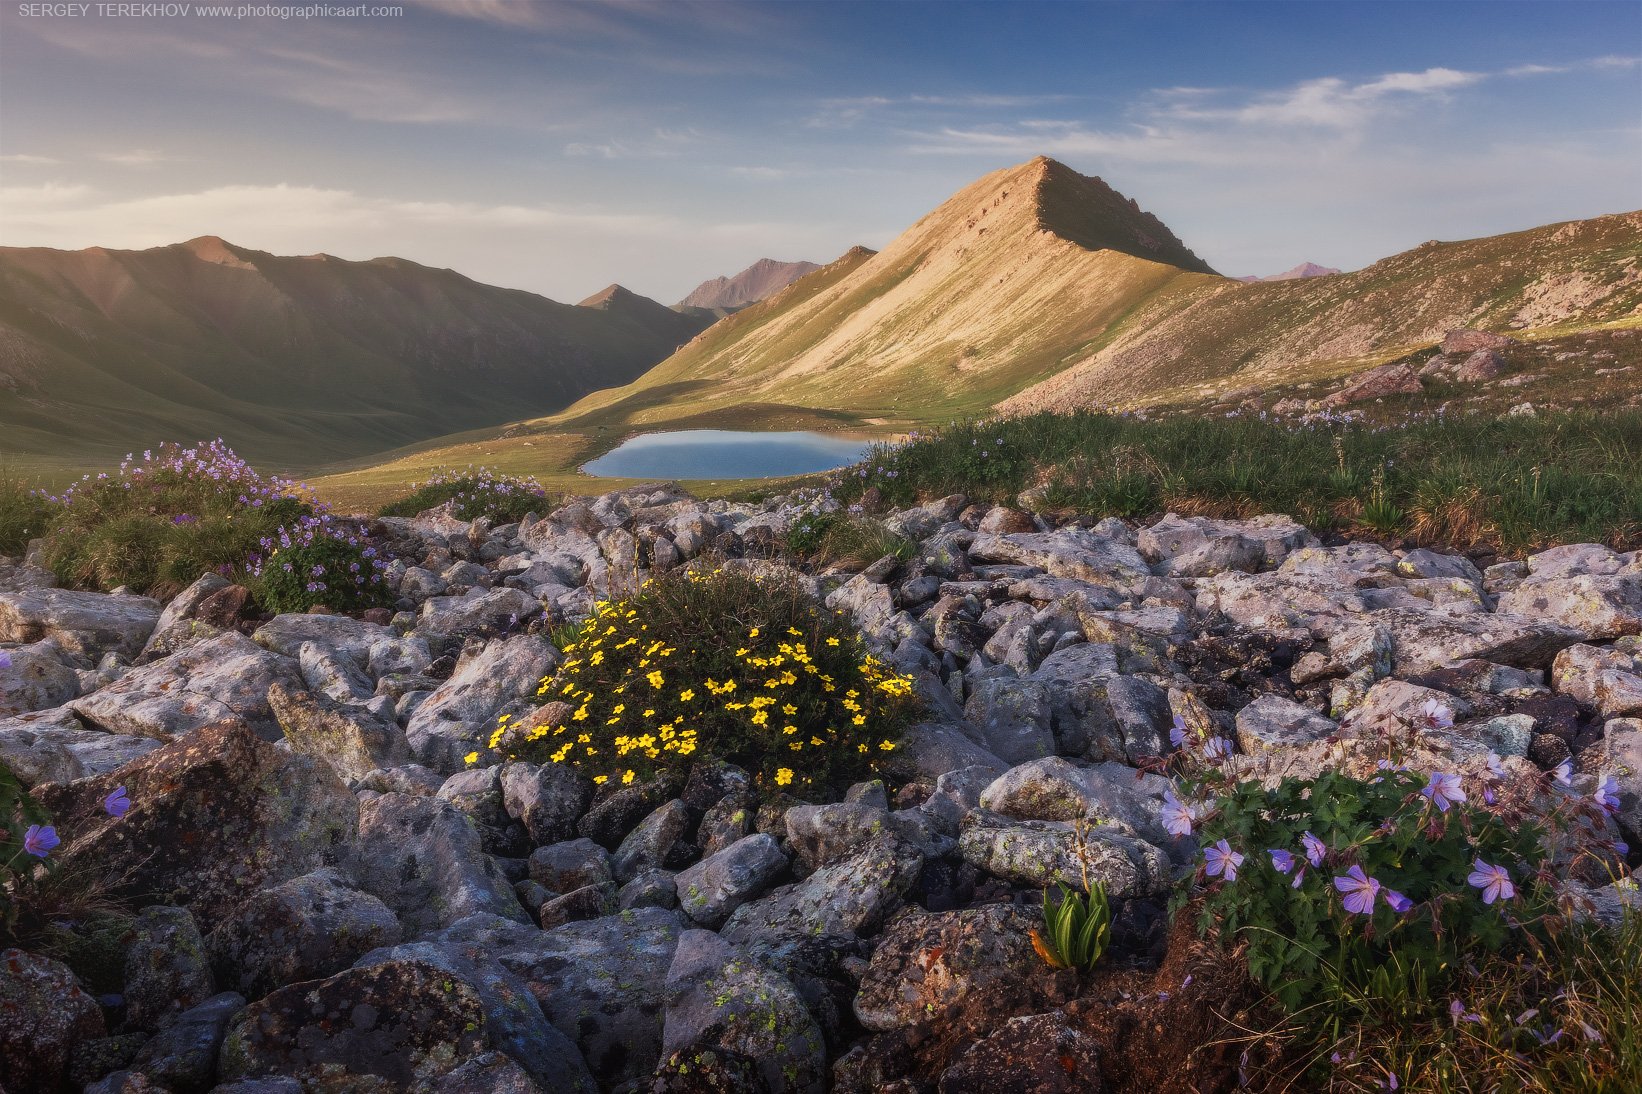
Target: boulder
x,y
422,858
1083,556
1013,716
233,814
1596,606
458,717
1043,853
1030,1054
720,883
183,1056
852,897
1479,365
719,998
1272,723
571,865
220,680
1377,383
166,967
1465,340
90,624
44,1017
493,610
351,739
383,1027
35,678
307,928
655,843
955,970
1576,669
547,799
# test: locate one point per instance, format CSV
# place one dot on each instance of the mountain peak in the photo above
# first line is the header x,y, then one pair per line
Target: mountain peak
x,y
1297,273
1085,210
761,280
610,294
215,249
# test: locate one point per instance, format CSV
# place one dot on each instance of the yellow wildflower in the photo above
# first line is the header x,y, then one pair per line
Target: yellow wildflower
x,y
472,758
783,776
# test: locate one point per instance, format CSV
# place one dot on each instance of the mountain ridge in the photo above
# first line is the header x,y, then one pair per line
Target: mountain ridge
x,y
759,281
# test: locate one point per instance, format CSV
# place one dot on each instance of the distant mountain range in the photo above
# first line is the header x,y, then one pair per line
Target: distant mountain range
x,y
298,360
1304,269
760,281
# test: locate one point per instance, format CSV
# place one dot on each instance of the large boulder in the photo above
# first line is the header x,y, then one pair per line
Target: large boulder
x,y
458,717
719,884
1272,723
1597,606
1013,716
223,679
1077,554
602,982
1044,853
183,1057
1377,383
384,1027
304,929
496,609
214,817
34,678
44,1016
1029,1054
351,739
90,624
852,897
719,998
166,968
380,650
423,858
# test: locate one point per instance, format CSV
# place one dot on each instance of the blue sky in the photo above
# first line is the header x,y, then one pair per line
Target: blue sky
x,y
558,147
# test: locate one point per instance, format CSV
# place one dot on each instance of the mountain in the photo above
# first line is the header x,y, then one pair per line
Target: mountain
x,y
297,360
1037,287
677,325
1013,279
1304,269
1552,280
760,281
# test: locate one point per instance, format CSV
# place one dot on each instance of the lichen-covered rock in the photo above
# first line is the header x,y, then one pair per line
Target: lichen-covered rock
x,y
1056,789
1423,641
214,816
602,983
1081,555
567,866
35,679
955,970
719,998
1272,722
1396,704
1030,1054
183,1056
167,970
224,679
455,719
1617,694
1622,758
514,1021
495,609
90,624
491,1073
655,843
1043,853
1575,670
379,649
351,739
44,1015
1014,718
547,799
847,898
719,884
384,1027
303,929
1596,606
422,858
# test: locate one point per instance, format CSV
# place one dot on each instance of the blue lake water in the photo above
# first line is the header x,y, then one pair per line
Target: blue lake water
x,y
726,454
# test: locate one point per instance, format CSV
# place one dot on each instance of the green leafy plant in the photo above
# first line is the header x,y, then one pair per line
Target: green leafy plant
x,y
25,512
20,818
474,493
839,537
1076,928
717,664
318,561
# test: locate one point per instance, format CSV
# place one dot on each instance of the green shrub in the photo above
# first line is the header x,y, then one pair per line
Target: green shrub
x,y
161,521
826,538
719,664
318,560
24,513
476,492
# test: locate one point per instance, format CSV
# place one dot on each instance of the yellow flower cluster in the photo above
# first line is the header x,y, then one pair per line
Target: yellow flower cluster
x,y
647,687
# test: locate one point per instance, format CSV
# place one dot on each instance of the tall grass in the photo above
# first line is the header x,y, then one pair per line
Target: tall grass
x,y
24,513
1513,483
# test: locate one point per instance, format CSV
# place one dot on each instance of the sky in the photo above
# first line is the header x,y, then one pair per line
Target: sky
x,y
559,147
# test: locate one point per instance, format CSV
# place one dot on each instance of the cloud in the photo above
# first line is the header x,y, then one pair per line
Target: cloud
x,y
658,144
137,157
30,160
838,113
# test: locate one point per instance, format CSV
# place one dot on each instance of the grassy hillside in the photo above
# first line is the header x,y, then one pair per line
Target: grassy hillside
x,y
296,361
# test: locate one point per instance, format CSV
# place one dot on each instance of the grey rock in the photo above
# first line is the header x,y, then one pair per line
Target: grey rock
x,y
224,679
1043,853
847,898
496,609
651,889
351,739
47,1016
718,997
334,674
456,718
183,1057
86,623
36,679
166,967
423,859
652,844
1272,723
1075,554
1595,606
547,799
1014,718
565,867
720,883
1575,670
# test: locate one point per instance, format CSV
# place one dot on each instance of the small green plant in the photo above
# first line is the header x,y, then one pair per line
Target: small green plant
x,y
21,822
826,538
318,561
718,664
24,513
1076,927
1380,513
474,493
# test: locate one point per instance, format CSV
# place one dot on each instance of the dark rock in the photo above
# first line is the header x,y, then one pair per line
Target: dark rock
x,y
548,799
44,1017
183,1058
1033,1054
166,968
232,812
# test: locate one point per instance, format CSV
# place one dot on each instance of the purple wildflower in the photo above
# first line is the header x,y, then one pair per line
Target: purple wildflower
x,y
1222,861
1563,772
1177,735
1436,715
117,803
5,660
1177,815
40,839
1358,889
1282,861
1315,849
1494,881
1606,795
1217,749
1443,790
1397,901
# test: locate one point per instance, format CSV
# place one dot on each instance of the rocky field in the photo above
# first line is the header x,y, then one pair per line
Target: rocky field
x,y
322,893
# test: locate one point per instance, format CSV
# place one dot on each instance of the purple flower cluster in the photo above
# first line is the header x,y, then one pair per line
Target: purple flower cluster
x,y
42,839
210,469
306,532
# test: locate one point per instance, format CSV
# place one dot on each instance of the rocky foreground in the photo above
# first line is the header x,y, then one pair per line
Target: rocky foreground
x,y
331,901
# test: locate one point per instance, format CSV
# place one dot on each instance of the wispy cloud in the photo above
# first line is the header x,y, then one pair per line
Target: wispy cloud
x,y
136,157
658,144
840,113
29,160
